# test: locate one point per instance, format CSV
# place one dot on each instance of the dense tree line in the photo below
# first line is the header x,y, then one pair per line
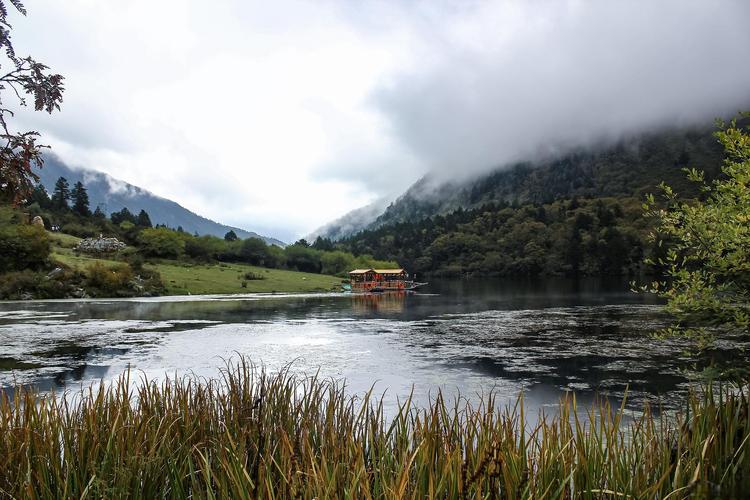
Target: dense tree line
x,y
165,243
565,237
68,211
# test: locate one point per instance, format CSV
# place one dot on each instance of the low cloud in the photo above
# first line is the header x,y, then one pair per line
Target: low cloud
x,y
286,115
518,80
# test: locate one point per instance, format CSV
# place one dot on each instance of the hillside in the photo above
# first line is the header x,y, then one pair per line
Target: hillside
x,y
195,278
576,215
112,195
350,223
631,167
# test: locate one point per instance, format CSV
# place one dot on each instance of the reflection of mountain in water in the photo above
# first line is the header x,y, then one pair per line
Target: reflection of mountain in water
x,y
392,302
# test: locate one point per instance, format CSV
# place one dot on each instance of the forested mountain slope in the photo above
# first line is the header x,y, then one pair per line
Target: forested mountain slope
x,y
578,214
631,167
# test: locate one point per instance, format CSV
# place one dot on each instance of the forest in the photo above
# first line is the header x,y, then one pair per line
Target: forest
x,y
580,214
597,236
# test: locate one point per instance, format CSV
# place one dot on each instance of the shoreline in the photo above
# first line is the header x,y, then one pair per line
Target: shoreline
x,y
187,298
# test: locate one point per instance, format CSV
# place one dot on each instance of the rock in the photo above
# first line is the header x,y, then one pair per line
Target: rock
x,y
37,221
58,271
79,293
100,245
27,296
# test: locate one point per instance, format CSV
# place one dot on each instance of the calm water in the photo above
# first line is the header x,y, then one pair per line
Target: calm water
x,y
540,337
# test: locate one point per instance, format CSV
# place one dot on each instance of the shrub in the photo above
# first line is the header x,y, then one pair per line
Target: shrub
x,y
303,258
708,259
38,285
103,281
22,246
250,276
161,242
254,251
80,230
336,263
204,248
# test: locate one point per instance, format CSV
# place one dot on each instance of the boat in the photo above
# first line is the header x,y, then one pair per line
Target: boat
x,y
380,281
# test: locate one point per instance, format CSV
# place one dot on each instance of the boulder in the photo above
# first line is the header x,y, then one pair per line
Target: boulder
x,y
37,221
58,271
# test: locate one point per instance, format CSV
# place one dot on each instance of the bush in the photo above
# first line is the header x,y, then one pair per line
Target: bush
x,y
204,248
22,246
103,281
161,242
336,263
80,230
303,258
37,285
254,251
250,276
708,258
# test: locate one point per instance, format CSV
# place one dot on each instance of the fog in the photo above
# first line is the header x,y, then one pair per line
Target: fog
x,y
515,81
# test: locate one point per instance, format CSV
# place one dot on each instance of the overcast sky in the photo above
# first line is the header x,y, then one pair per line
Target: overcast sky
x,y
280,116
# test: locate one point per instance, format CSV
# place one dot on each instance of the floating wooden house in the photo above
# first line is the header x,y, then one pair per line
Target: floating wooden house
x,y
381,280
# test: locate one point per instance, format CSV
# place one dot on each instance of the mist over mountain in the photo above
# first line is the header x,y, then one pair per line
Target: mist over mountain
x,y
351,222
112,195
632,166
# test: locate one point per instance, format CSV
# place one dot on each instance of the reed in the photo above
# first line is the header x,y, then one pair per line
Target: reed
x,y
250,434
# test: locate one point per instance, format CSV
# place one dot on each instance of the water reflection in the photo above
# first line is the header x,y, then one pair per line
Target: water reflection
x,y
544,337
388,302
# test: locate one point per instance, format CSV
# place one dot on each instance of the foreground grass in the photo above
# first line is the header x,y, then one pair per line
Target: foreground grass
x,y
182,278
249,435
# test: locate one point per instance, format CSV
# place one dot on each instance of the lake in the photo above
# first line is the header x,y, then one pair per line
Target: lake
x,y
539,337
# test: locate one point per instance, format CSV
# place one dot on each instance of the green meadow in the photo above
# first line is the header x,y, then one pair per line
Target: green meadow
x,y
181,278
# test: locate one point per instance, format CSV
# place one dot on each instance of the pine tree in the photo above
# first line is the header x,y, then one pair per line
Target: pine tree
x,y
61,195
143,220
80,200
231,236
123,215
99,214
40,197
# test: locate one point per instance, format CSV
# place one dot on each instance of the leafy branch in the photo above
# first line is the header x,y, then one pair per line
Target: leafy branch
x,y
26,77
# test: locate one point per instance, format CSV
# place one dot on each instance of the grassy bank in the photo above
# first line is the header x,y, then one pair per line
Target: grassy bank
x,y
255,436
182,278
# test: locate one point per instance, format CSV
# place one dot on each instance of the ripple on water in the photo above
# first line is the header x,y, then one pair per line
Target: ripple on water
x,y
544,352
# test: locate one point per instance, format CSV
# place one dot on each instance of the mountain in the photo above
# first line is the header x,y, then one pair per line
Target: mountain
x,y
350,223
112,195
577,214
630,167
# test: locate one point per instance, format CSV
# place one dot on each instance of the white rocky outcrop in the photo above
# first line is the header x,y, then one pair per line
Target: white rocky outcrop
x,y
100,245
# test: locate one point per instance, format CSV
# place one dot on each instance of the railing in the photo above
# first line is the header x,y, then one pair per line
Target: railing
x,y
367,285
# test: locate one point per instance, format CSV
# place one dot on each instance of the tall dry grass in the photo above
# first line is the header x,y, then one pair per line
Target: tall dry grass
x,y
253,435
